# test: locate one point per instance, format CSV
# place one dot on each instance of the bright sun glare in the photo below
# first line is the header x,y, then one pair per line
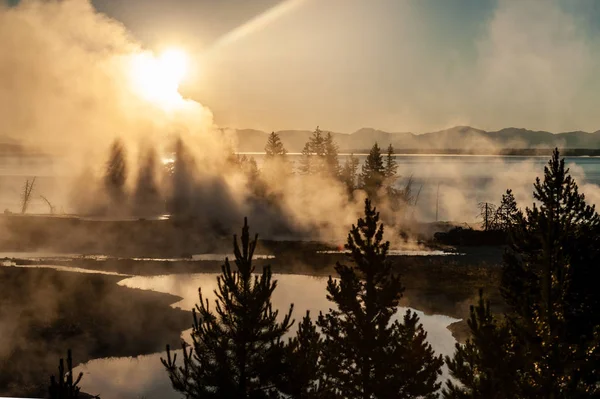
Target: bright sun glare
x,y
157,79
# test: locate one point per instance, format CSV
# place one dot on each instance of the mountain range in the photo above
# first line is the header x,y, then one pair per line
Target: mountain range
x,y
459,139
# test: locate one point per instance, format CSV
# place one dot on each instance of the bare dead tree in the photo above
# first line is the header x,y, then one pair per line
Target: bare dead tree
x,y
52,207
488,215
26,195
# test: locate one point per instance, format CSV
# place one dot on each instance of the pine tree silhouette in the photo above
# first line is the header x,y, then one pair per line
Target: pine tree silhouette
x,y
373,172
365,354
549,284
147,198
303,360
349,173
274,147
116,172
183,172
391,166
507,213
486,363
237,352
320,155
65,385
330,149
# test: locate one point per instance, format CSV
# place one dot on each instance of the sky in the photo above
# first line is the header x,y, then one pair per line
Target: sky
x,y
395,65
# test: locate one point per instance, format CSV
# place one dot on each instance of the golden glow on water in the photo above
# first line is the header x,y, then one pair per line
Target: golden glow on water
x,y
144,375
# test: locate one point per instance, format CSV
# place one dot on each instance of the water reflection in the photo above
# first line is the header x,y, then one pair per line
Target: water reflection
x,y
221,257
400,252
145,376
64,269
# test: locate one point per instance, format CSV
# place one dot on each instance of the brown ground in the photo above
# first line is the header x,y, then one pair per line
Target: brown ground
x,y
45,312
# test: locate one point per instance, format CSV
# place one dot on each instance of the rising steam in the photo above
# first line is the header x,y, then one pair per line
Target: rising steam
x,y
66,88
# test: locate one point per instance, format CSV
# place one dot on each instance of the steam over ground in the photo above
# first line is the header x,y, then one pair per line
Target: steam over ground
x,y
66,88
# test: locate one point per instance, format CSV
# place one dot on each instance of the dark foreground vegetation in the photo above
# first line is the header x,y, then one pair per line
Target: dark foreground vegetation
x,y
546,344
45,312
239,352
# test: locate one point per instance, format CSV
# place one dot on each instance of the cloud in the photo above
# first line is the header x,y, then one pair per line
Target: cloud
x,y
532,68
401,66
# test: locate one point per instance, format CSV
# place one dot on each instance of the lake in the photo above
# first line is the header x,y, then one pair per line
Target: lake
x,y
144,376
454,184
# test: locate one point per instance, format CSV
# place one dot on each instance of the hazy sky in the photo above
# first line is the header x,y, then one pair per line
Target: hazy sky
x,y
397,65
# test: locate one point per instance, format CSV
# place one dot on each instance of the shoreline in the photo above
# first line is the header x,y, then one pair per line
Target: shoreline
x,y
45,312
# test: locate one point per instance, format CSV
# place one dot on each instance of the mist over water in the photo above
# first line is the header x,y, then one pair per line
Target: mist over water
x,y
71,108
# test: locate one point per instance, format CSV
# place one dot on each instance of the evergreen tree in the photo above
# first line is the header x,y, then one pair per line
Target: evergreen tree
x,y
391,167
373,172
305,166
237,352
277,164
317,143
248,167
147,199
303,358
349,174
320,155
65,385
365,353
508,212
116,172
548,283
183,177
274,147
332,164
485,364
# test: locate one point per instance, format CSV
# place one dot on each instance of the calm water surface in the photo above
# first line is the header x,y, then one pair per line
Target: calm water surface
x,y
54,179
144,376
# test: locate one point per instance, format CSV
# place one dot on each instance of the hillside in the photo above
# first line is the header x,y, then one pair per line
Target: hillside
x,y
459,139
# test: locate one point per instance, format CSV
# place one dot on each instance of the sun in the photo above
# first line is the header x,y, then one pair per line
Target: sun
x,y
157,78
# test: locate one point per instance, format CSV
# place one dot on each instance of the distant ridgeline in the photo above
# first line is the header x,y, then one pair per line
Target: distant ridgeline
x,y
456,140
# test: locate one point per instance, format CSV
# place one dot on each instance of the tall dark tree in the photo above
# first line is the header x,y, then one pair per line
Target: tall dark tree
x,y
391,166
320,155
373,172
182,175
549,284
485,364
365,353
147,198
507,212
116,172
303,360
65,385
237,352
349,173
274,147
317,142
332,164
